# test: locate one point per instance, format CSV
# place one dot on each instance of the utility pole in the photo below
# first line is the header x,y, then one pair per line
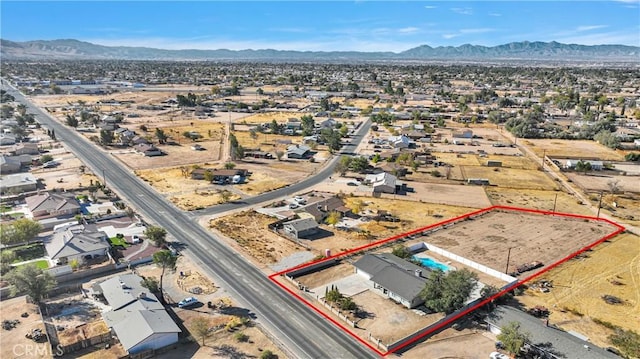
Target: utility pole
x,y
544,154
506,271
104,178
554,203
599,204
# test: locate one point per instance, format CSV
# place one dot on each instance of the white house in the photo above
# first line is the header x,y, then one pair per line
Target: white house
x,y
401,141
136,317
382,182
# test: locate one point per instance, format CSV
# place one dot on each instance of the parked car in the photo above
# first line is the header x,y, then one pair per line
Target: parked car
x,y
135,239
187,302
293,205
300,200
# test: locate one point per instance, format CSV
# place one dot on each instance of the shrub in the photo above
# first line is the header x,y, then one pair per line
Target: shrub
x,y
241,337
268,354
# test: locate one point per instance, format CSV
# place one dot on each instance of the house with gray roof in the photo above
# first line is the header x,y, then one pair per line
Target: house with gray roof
x,y
382,182
136,317
18,183
76,241
301,228
557,343
298,151
9,164
393,277
47,204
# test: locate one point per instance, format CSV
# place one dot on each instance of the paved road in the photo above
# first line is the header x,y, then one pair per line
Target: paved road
x,y
559,177
323,174
302,331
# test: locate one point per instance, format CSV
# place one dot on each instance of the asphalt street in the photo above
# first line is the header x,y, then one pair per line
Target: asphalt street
x,y
302,331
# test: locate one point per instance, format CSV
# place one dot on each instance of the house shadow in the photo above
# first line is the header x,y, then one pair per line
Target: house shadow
x,y
320,233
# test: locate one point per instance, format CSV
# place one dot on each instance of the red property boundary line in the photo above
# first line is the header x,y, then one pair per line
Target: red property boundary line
x,y
459,315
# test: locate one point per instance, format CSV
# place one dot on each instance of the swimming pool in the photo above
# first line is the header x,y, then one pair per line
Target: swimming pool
x,y
432,263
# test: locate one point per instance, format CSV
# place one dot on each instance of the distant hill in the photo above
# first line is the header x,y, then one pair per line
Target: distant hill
x,y
79,50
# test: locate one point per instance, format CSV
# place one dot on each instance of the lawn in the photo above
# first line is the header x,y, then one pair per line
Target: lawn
x,y
118,242
28,252
42,264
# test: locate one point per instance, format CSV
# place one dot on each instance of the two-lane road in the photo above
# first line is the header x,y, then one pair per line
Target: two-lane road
x,y
302,331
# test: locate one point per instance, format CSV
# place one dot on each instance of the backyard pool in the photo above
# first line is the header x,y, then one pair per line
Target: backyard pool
x,y
431,263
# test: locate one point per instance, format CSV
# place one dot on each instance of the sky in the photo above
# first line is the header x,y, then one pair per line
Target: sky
x,y
321,25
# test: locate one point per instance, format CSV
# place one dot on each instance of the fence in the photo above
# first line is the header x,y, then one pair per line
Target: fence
x,y
86,342
477,266
312,268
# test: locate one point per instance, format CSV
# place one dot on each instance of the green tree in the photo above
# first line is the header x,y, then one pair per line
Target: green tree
x,y
308,125
200,326
19,231
608,139
359,164
72,121
343,165
632,157
512,337
106,137
150,283
357,206
157,235
333,218
229,165
31,280
268,354
166,261
46,158
6,258
161,136
208,176
401,251
225,195
582,166
448,292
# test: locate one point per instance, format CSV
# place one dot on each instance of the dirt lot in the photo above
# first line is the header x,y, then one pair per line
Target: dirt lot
x,y
454,344
249,230
506,177
579,284
536,199
569,148
600,182
191,194
13,344
389,321
532,237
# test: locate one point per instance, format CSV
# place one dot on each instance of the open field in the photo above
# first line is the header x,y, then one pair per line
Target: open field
x,y
600,181
268,117
507,177
536,199
579,284
249,230
531,237
571,148
175,155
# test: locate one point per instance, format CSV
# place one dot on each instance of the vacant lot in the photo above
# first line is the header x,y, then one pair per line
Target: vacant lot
x,y
612,268
507,177
603,182
179,154
571,148
531,237
249,230
13,344
536,199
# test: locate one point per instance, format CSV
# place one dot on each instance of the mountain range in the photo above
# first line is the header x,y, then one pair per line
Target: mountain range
x,y
70,49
